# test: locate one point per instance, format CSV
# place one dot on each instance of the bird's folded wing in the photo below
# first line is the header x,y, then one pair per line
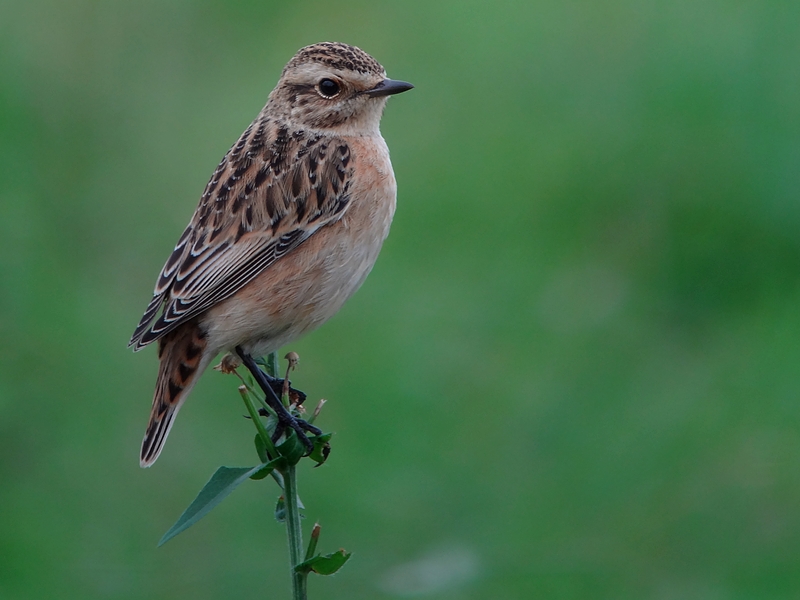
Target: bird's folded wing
x,y
254,211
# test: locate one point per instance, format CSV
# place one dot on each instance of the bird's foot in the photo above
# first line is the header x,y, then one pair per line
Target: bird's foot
x,y
273,389
299,426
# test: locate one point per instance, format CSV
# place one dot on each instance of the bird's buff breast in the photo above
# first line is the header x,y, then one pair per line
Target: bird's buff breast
x,y
309,285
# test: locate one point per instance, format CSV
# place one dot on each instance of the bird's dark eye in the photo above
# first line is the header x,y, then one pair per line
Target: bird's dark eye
x,y
328,88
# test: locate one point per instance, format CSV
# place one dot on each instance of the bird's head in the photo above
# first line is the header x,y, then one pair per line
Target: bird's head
x,y
333,86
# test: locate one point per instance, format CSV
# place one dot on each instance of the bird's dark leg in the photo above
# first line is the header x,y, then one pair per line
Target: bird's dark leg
x,y
276,383
285,418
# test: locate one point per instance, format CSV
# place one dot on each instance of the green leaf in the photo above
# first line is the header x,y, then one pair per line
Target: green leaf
x,y
222,483
324,565
292,449
321,448
267,468
272,363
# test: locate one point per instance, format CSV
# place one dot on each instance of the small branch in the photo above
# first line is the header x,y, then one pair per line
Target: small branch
x,y
255,394
262,431
312,545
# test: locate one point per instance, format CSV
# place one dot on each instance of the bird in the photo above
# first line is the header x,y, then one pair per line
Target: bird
x,y
287,229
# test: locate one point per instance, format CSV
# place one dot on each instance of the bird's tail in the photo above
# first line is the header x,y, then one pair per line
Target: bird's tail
x,y
183,358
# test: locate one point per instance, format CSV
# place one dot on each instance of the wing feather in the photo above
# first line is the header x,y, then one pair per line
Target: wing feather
x,y
270,193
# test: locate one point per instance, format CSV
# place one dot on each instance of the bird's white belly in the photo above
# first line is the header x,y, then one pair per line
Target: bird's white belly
x,y
309,285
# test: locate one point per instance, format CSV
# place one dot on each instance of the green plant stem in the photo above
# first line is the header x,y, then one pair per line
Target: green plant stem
x,y
293,530
257,396
294,533
312,545
262,431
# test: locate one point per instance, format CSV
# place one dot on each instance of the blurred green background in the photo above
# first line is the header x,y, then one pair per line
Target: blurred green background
x,y
573,372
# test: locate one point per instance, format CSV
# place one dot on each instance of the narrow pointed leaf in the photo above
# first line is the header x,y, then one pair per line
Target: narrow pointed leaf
x,y
222,483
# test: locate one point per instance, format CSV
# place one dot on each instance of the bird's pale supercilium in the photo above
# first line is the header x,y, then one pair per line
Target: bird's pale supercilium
x,y
287,229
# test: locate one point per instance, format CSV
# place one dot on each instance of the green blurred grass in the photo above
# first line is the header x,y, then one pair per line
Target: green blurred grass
x,y
571,374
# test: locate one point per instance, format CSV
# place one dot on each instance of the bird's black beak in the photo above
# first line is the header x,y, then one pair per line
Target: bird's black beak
x,y
387,87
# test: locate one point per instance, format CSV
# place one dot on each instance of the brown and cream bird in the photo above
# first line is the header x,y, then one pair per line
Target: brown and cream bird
x,y
286,231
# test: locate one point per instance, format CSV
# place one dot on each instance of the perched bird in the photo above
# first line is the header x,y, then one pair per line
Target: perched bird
x,y
286,231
